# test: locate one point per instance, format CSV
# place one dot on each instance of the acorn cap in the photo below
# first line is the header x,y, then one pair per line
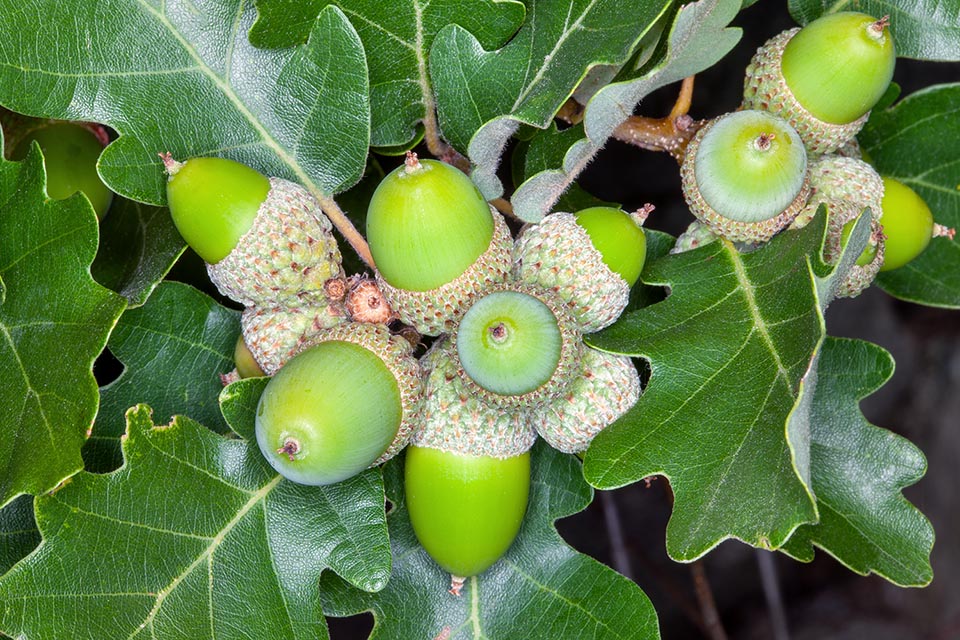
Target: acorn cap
x,y
437,311
456,420
696,235
397,355
867,266
765,88
275,334
558,255
606,389
517,320
246,365
744,176
285,257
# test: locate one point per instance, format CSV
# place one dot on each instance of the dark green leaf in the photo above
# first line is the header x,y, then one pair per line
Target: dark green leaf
x,y
54,321
181,77
18,532
918,142
858,471
397,38
483,96
728,349
174,348
194,537
138,246
540,589
698,38
924,29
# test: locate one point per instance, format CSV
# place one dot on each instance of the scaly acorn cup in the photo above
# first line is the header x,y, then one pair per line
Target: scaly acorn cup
x,y
589,260
266,241
436,242
607,388
847,186
273,335
907,224
467,472
247,366
517,346
744,176
824,78
71,151
346,402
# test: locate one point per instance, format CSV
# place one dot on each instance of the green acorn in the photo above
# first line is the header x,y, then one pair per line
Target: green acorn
x,y
247,366
436,242
847,186
71,151
823,79
266,241
467,472
589,259
347,401
273,335
607,387
517,346
744,176
907,223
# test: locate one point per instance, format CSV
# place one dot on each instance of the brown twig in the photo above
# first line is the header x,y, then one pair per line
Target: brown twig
x,y
671,134
347,230
503,206
708,606
571,112
771,593
618,548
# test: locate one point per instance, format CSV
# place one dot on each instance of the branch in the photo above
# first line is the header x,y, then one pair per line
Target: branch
x,y
347,230
708,606
771,592
671,134
618,548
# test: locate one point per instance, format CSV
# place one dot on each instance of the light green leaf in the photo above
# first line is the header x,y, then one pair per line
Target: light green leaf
x,y
483,96
698,38
917,141
54,321
181,77
924,29
397,37
858,472
138,246
174,349
194,537
541,589
728,349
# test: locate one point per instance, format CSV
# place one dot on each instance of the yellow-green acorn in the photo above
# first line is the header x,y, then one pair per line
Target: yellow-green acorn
x,y
273,335
847,186
824,78
266,241
436,242
346,402
907,224
467,472
71,151
744,176
517,346
589,259
247,366
607,387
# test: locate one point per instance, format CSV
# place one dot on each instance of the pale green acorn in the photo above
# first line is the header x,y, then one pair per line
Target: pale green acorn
x,y
517,346
823,79
607,387
744,176
589,259
847,186
266,241
437,244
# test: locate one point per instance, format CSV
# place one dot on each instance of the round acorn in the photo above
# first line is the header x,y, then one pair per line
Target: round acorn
x,y
744,176
607,387
589,259
517,347
907,223
71,151
467,472
266,241
246,364
346,402
436,242
823,78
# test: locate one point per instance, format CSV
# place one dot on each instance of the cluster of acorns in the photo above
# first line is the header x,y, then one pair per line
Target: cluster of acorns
x,y
507,362
791,148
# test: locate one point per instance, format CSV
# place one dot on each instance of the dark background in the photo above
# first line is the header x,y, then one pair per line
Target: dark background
x,y
822,600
